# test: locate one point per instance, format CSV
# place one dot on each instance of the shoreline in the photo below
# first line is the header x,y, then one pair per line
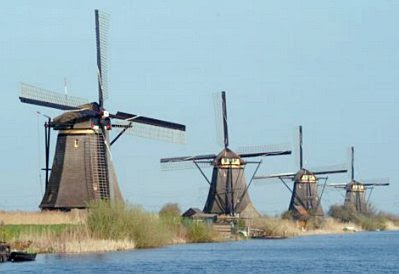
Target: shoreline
x,y
69,233
129,246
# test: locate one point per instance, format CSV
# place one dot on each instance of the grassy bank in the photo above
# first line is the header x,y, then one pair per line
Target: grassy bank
x,y
340,220
278,227
103,227
370,219
106,227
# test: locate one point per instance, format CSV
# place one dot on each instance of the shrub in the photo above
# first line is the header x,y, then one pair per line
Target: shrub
x,y
119,221
286,215
170,210
369,220
314,222
199,232
342,213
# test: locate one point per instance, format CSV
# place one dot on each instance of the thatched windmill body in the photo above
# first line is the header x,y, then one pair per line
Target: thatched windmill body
x,y
82,168
305,199
355,191
228,189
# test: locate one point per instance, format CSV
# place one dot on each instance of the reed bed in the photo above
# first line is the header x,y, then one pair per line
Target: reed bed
x,y
42,218
370,220
276,227
74,239
121,221
109,227
199,232
103,227
332,226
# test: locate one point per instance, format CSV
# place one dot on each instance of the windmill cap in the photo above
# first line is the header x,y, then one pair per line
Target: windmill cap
x,y
84,111
228,154
355,185
299,175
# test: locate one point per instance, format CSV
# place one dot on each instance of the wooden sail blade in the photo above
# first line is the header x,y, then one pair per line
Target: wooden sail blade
x,y
182,165
38,96
219,121
330,172
102,30
331,169
265,154
224,116
265,150
376,182
287,175
338,185
148,121
156,132
189,158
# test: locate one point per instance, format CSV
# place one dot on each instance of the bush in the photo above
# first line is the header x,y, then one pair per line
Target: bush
x,y
314,222
120,221
342,213
170,210
370,220
286,215
199,232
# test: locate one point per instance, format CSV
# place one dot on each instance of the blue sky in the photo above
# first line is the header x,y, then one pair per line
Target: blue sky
x,y
331,66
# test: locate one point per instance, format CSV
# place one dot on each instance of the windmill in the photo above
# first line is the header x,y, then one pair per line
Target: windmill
x,y
305,200
83,169
355,196
228,190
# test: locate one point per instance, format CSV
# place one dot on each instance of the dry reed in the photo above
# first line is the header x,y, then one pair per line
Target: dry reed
x,y
273,227
42,218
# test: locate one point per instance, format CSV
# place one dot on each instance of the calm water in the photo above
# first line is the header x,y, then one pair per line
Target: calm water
x,y
376,252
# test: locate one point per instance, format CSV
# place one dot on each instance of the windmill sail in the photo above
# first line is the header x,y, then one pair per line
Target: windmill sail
x,y
305,200
228,187
265,150
355,191
224,117
83,169
38,96
189,158
102,29
150,131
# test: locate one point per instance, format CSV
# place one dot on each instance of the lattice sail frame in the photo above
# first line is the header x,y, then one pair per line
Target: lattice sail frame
x,y
169,166
328,168
218,112
151,132
36,93
263,148
104,26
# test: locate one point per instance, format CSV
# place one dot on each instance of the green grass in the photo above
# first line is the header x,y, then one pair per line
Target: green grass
x,y
199,232
122,221
13,232
116,223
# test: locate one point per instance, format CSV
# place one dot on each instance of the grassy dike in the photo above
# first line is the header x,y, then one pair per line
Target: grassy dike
x,y
104,227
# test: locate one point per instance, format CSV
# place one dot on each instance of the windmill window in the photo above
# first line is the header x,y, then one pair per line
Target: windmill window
x,y
76,143
230,161
358,187
309,178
